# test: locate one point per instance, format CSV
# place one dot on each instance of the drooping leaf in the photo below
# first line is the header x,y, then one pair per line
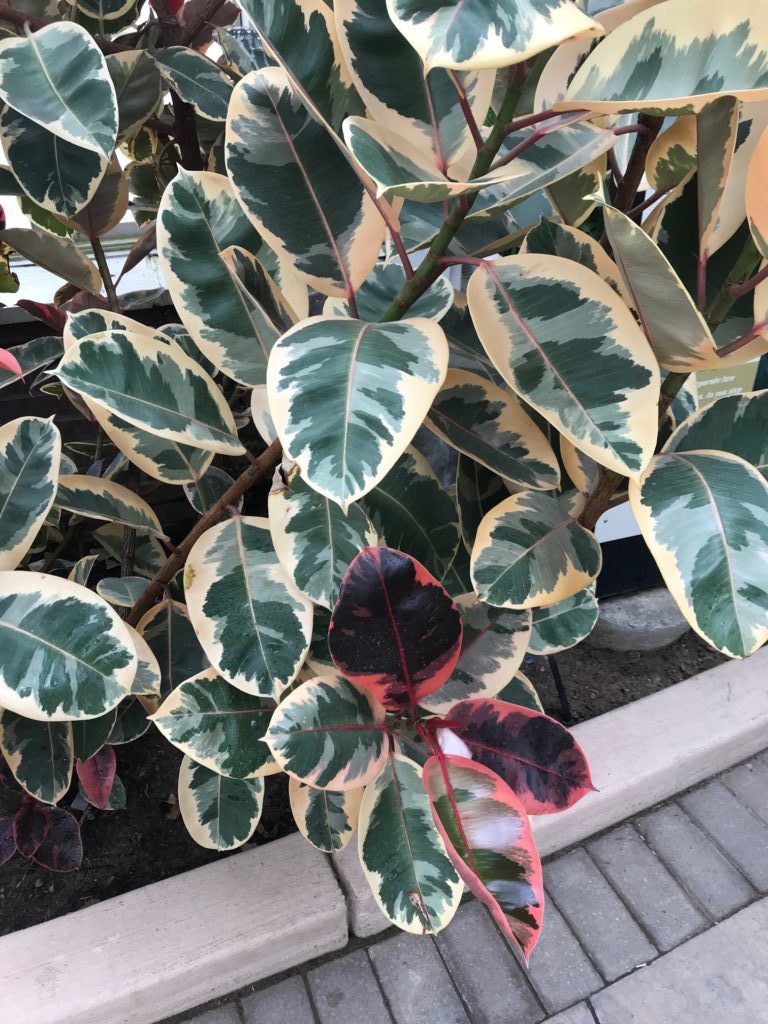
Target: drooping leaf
x,y
62,846
717,131
529,552
138,88
97,776
30,450
218,726
90,734
96,498
548,324
522,692
737,424
675,58
488,838
30,356
494,644
197,80
402,853
274,150
347,396
153,386
452,34
565,624
219,813
329,734
122,591
756,186
413,512
39,754
326,818
536,756
395,630
704,515
60,256
253,623
203,493
172,640
382,285
64,654
58,78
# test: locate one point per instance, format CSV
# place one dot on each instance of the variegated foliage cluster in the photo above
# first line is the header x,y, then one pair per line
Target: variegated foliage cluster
x,y
599,185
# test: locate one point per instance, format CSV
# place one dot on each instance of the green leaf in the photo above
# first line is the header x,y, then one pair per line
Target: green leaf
x,y
375,295
39,755
274,148
130,723
314,540
402,853
704,515
172,640
89,735
672,156
106,207
197,80
717,131
493,647
64,654
122,591
218,726
329,734
252,622
32,355
414,513
566,344
30,450
148,557
326,818
347,396
95,498
478,490
452,34
676,58
203,494
456,579
564,624
57,77
82,569
737,424
60,256
529,552
219,813
138,88
522,692
148,679
153,386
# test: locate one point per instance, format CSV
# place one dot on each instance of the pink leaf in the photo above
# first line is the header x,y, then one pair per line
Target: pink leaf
x,y
10,363
97,776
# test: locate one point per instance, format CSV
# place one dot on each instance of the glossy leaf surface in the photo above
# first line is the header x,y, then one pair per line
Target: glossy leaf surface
x,y
220,813
30,450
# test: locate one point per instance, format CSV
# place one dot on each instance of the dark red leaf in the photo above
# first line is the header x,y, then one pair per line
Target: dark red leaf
x,y
50,315
30,826
97,776
536,756
395,629
141,248
7,842
62,848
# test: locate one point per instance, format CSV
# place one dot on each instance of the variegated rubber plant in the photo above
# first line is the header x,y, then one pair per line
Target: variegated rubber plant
x,y
599,186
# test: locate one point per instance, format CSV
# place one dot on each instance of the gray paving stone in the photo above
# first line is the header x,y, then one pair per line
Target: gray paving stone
x,y
559,968
645,885
718,977
417,986
750,784
485,971
735,829
221,1015
580,1014
597,916
347,990
285,1003
695,861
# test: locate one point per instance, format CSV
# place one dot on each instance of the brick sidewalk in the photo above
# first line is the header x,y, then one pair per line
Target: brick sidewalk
x,y
666,889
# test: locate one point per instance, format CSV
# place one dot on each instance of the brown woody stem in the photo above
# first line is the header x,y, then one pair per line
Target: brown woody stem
x,y
633,175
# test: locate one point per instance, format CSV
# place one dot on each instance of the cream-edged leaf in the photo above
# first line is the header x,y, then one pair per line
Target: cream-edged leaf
x,y
219,813
95,498
565,624
197,80
737,424
60,256
168,632
30,450
756,191
39,755
326,818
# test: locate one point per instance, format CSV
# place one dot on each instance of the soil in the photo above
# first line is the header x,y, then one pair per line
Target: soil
x,y
147,842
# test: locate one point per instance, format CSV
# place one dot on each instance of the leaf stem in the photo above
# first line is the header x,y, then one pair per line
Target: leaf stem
x,y
106,276
743,289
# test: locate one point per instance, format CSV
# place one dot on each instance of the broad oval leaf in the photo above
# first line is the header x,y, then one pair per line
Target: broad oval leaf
x,y
704,515
123,591
375,295
131,722
154,386
757,186
138,88
314,540
737,424
197,80
536,756
30,450
97,776
64,654
347,396
395,630
274,147
676,57
413,512
39,755
57,77
96,498
253,623
61,848
529,552
148,556
148,681
488,424
219,813
672,156
329,734
565,342
90,734
169,634
60,256
717,131
488,838
565,624
452,34
522,692
30,356
493,647
203,493
218,726
326,818
106,207
402,853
